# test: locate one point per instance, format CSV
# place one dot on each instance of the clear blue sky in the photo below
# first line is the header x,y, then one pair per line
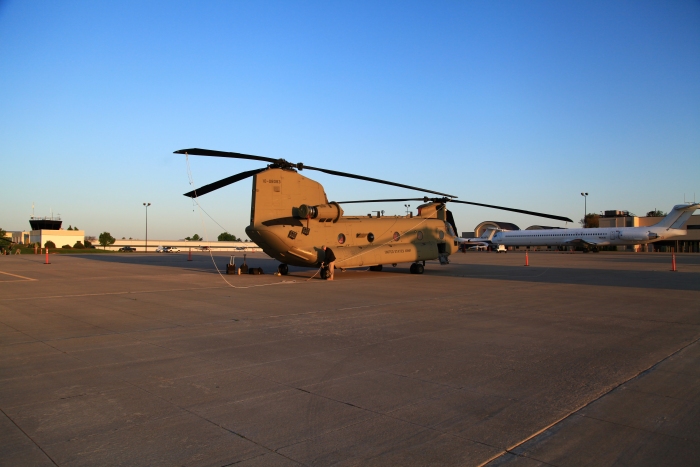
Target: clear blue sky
x,y
521,104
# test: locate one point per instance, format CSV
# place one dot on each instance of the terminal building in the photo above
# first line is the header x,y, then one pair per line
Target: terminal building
x,y
45,229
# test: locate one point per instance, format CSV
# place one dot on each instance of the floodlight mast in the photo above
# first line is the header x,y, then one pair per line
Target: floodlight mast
x,y
585,209
146,204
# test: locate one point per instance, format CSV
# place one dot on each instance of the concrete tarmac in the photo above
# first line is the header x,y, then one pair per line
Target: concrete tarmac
x,y
133,359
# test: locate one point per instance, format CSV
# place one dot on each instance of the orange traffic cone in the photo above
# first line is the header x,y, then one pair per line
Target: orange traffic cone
x,y
527,262
47,257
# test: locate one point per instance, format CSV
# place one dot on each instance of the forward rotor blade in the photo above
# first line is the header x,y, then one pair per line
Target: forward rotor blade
x,y
380,200
375,180
521,211
300,166
232,155
222,183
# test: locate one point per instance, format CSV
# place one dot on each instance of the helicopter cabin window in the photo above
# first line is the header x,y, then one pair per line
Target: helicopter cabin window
x,y
370,237
441,234
341,238
419,235
450,230
397,236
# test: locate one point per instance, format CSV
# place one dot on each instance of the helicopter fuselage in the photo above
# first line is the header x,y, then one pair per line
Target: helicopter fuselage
x,y
291,220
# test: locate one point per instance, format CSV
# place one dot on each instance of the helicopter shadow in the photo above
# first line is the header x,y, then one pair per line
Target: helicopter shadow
x,y
203,263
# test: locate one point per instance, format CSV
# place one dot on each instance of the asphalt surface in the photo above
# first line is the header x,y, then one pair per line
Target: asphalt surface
x,y
133,359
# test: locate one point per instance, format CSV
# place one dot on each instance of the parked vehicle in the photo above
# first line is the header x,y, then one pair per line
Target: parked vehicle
x,y
171,249
160,249
127,248
499,248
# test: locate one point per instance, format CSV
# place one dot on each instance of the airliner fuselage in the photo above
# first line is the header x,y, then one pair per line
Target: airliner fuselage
x,y
669,226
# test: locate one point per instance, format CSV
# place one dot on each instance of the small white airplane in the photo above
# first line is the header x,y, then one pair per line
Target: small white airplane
x,y
484,240
669,226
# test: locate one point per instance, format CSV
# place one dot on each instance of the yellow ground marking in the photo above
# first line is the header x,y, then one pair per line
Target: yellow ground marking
x,y
15,275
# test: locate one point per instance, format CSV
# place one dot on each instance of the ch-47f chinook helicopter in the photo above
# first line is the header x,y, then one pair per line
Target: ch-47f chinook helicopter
x,y
291,219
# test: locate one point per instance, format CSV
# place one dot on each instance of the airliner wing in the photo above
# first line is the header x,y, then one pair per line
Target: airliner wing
x,y
581,241
473,241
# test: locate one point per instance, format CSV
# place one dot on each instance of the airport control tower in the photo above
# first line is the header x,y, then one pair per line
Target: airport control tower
x,y
45,223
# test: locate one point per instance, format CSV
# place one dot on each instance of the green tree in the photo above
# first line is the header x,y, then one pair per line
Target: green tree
x,y
590,221
193,238
78,244
49,244
3,238
106,239
656,213
227,237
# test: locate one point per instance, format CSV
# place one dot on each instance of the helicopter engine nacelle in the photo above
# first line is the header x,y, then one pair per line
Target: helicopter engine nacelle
x,y
323,212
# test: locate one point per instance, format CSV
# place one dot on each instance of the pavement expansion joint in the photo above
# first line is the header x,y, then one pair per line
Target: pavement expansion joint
x,y
587,404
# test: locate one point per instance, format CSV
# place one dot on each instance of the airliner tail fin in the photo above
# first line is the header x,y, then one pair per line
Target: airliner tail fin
x,y
678,216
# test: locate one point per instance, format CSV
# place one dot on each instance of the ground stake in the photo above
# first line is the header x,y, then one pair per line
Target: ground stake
x,y
189,256
673,262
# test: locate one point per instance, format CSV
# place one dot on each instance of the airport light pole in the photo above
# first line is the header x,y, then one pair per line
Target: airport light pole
x,y
146,204
585,209
407,208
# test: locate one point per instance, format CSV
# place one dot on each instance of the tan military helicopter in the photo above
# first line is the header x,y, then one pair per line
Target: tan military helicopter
x,y
291,219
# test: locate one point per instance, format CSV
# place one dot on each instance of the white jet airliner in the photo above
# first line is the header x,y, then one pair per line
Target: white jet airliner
x,y
669,226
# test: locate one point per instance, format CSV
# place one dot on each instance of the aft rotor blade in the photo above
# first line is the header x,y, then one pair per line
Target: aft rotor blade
x,y
222,183
380,200
375,180
232,155
521,211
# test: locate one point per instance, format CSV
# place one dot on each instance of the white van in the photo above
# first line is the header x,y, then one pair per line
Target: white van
x,y
499,248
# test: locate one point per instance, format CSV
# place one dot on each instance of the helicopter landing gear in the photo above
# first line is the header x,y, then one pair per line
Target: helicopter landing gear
x,y
376,268
417,268
283,269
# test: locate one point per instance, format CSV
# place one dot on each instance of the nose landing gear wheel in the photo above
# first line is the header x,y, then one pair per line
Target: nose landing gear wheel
x,y
283,269
417,268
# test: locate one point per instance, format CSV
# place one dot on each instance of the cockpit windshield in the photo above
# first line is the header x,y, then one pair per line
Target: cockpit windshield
x,y
449,229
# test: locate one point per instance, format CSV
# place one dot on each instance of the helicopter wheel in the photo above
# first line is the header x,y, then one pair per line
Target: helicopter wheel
x,y
376,268
283,269
417,268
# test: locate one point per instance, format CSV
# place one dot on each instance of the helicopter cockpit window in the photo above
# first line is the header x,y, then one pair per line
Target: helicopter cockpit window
x,y
397,236
341,238
370,237
419,235
450,230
